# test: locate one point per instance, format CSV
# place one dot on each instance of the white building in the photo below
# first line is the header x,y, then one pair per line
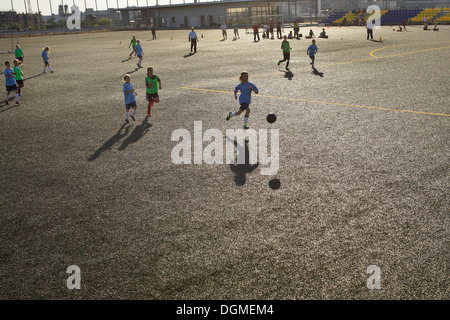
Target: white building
x,y
211,14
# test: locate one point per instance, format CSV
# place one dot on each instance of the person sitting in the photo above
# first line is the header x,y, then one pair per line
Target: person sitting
x,y
323,34
399,28
435,27
425,26
290,36
311,34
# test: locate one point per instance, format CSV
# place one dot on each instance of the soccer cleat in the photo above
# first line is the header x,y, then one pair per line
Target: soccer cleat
x,y
127,121
51,71
287,68
6,101
279,62
132,118
229,116
17,102
246,126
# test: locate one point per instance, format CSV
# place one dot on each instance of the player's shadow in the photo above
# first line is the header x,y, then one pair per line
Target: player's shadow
x,y
373,40
190,54
111,141
32,77
127,59
138,132
12,104
130,72
317,73
241,170
288,74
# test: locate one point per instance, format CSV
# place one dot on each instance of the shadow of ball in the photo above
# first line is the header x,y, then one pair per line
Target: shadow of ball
x,y
275,184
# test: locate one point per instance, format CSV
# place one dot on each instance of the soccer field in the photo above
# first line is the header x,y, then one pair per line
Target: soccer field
x,y
363,177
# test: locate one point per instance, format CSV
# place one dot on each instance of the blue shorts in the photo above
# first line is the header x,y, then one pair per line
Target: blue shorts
x,y
131,105
244,106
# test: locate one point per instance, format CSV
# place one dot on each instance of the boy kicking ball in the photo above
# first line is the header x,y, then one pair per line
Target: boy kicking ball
x,y
246,89
311,51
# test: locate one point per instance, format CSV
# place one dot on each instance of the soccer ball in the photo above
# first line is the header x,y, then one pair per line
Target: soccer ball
x,y
271,118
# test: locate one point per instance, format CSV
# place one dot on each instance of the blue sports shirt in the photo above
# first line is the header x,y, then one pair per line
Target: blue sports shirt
x,y
129,97
45,55
138,49
312,50
9,80
246,92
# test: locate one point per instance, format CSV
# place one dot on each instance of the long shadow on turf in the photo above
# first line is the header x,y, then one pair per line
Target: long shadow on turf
x,y
111,141
31,77
138,132
10,105
288,74
240,170
317,73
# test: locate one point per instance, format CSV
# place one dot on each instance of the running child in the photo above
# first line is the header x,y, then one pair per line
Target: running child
x,y
152,82
311,51
129,95
10,82
19,53
246,89
18,75
45,58
139,52
132,43
286,52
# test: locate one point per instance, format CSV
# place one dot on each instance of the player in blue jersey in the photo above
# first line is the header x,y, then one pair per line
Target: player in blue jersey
x,y
10,82
129,95
45,58
139,52
311,51
246,88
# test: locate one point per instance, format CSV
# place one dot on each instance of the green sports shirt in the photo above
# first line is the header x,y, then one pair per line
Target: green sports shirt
x,y
154,87
18,72
19,53
286,47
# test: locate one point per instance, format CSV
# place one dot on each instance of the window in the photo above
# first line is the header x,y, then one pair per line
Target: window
x,y
172,20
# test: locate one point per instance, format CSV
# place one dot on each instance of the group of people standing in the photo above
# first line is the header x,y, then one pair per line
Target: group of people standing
x,y
14,76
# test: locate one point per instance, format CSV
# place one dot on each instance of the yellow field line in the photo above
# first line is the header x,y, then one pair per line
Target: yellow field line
x,y
403,53
334,64
326,102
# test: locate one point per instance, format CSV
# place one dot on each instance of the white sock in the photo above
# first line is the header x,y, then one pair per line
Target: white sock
x,y
132,112
126,115
44,70
245,120
233,114
6,97
49,68
17,97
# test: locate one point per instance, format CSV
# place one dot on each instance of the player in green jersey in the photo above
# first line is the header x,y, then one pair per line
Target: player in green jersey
x,y
18,75
133,43
19,53
152,82
286,52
